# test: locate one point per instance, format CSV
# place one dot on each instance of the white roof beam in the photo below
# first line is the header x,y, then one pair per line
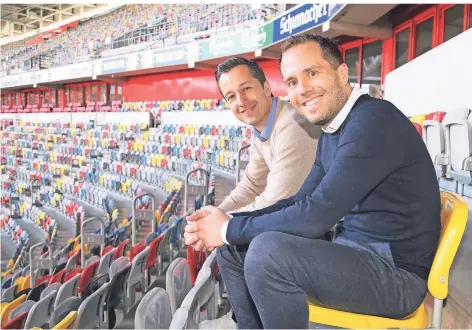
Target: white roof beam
x,y
357,30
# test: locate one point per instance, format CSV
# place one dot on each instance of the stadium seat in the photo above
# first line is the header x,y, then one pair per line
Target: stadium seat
x,y
67,322
454,219
154,311
8,308
40,313
91,312
458,130
202,297
16,322
178,282
433,137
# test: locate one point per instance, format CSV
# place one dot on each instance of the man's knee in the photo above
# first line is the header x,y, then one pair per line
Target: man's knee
x,y
265,252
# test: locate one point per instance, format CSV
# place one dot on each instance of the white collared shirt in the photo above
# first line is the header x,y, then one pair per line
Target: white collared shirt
x,y
342,115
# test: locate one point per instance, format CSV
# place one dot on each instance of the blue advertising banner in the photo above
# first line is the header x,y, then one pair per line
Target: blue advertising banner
x,y
302,18
170,56
114,65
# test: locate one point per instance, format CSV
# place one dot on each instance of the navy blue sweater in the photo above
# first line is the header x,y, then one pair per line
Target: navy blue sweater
x,y
374,171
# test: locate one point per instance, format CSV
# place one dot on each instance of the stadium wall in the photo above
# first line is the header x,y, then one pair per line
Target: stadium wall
x,y
439,80
189,85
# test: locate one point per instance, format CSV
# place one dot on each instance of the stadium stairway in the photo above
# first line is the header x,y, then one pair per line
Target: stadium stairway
x,y
8,248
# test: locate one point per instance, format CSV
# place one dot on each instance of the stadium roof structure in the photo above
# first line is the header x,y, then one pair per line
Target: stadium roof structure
x,y
19,19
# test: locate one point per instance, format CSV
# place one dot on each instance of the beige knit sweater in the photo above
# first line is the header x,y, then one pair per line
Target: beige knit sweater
x,y
277,167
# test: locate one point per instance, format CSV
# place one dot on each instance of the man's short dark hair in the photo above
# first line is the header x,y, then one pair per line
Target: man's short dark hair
x,y
233,62
329,47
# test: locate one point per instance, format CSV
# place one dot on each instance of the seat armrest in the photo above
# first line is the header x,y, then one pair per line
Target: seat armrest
x,y
441,159
467,164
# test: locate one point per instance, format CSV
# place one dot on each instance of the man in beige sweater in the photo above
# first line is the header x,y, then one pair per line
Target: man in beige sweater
x,y
283,143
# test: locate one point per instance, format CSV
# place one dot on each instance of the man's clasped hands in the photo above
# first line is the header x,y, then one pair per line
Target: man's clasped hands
x,y
203,229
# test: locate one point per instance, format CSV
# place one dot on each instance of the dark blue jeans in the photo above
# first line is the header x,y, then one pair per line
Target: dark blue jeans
x,y
269,281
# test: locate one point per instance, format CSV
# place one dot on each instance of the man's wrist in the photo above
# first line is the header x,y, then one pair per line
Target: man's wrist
x,y
224,229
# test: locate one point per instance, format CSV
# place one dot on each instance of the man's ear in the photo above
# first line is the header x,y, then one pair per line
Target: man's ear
x,y
267,89
343,73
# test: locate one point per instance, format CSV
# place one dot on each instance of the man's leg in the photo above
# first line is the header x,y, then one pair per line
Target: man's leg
x,y
231,266
281,270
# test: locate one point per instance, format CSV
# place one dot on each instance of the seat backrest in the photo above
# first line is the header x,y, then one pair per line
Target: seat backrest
x,y
454,214
120,249
51,288
23,308
41,312
71,304
10,307
458,130
178,282
137,267
117,288
67,290
91,314
58,277
16,322
152,257
9,294
35,293
135,250
86,276
117,266
154,311
67,322
418,119
105,262
436,116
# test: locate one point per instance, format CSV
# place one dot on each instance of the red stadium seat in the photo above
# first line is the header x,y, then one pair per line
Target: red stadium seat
x,y
87,275
419,128
120,249
58,278
152,258
437,116
135,250
17,322
72,273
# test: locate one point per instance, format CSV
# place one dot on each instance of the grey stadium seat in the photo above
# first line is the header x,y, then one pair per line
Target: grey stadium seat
x,y
178,282
458,132
50,288
25,307
136,276
40,313
154,311
91,313
434,139
203,294
105,262
67,290
9,294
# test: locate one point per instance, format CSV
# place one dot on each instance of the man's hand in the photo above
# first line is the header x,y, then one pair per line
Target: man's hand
x,y
203,230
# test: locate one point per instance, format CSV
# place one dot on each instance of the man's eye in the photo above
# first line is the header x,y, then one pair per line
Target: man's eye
x,y
312,73
292,83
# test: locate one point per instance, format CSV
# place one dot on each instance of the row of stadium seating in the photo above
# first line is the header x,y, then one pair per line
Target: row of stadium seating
x,y
155,107
99,34
448,137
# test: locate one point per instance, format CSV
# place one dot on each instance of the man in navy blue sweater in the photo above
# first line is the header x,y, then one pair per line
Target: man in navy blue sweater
x,y
373,170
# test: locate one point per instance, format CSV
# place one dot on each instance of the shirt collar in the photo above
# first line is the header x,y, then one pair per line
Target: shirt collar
x,y
342,115
264,136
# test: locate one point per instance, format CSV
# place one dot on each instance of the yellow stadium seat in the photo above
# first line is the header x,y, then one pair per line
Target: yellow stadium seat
x,y
418,119
11,306
454,213
67,322
25,284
